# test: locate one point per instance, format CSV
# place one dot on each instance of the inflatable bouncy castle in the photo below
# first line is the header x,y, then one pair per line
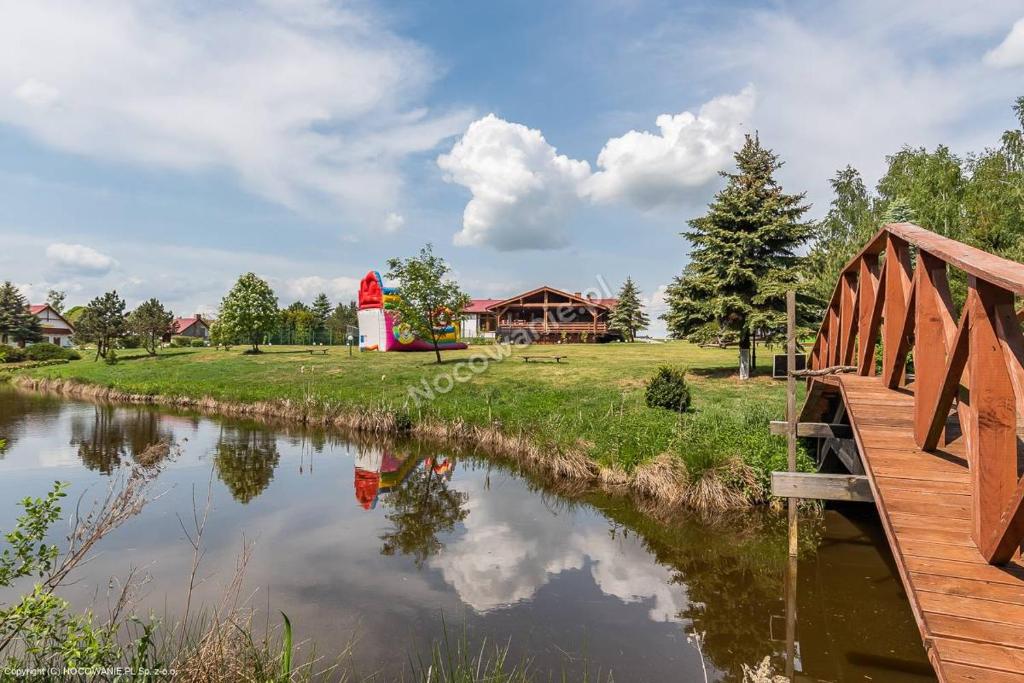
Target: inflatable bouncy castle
x,y
380,328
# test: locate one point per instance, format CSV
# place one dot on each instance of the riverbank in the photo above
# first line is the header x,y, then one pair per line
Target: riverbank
x,y
583,419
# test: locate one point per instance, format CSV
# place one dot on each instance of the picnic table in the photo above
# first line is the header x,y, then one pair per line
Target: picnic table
x,y
557,359
323,351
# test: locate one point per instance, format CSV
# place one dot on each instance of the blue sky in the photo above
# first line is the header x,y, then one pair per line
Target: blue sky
x,y
163,148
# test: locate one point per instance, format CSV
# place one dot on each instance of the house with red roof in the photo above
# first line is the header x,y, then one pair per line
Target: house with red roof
x,y
55,327
542,315
190,327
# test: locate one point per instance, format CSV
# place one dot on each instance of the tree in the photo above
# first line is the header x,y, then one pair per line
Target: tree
x,y
102,323
422,507
629,316
17,323
151,321
428,300
249,311
743,257
245,460
56,298
851,220
343,317
321,310
931,184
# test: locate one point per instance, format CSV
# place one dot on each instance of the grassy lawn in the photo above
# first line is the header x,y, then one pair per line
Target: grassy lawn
x,y
593,400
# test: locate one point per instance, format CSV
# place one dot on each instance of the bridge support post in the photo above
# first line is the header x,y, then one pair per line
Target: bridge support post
x,y
791,412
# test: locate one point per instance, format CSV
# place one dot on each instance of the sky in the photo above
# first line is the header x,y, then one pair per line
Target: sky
x,y
163,148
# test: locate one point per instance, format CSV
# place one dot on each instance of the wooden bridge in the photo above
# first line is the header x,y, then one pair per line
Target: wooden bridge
x,y
934,424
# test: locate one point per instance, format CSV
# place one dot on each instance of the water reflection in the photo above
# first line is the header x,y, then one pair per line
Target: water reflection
x,y
245,459
111,436
421,507
583,577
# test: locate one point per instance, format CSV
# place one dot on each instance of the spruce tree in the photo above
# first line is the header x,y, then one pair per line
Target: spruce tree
x,y
629,316
743,256
17,324
321,311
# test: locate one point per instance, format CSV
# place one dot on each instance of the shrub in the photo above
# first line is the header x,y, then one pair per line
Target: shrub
x,y
181,340
12,354
73,355
130,341
198,341
667,389
111,357
45,351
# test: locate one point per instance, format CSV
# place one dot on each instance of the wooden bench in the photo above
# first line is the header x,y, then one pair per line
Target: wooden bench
x,y
323,351
557,359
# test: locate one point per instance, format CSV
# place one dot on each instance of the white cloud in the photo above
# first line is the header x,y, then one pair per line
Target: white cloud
x,y
79,259
393,222
1010,52
306,288
37,93
648,169
510,550
304,102
523,190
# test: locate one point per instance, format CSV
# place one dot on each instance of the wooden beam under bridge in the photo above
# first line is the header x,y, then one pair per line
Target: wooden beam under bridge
x,y
822,430
845,487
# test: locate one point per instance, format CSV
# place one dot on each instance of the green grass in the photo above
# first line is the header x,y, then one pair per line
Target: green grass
x,y
594,399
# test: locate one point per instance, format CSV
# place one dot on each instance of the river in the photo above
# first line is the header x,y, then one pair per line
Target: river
x,y
371,546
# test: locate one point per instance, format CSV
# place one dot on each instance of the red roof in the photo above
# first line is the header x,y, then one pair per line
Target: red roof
x,y
182,324
36,309
480,305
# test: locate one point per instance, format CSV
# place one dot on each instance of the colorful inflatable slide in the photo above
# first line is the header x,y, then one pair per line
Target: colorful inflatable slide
x,y
380,328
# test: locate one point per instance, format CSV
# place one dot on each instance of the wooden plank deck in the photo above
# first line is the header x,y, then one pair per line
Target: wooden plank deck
x,y
971,613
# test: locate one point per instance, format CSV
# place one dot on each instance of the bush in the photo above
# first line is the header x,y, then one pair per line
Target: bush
x,y
180,340
111,357
667,389
12,354
45,351
130,341
198,341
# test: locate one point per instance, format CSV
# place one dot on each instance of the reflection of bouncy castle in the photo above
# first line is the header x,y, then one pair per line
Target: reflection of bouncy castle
x,y
378,473
381,472
380,328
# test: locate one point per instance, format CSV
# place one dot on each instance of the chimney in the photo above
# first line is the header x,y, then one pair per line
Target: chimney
x,y
578,295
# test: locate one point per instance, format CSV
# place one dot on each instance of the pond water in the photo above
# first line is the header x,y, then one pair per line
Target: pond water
x,y
368,546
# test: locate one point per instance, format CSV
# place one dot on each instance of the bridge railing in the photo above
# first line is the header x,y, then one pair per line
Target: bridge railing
x,y
896,291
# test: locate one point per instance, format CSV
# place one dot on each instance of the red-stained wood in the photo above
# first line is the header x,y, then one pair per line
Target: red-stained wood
x,y
870,299
847,317
953,512
894,311
934,330
938,412
970,613
993,425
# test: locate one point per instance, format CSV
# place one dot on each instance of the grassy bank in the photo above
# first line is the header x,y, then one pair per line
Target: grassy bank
x,y
583,418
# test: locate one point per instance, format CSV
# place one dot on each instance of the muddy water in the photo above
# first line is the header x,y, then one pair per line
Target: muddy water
x,y
369,546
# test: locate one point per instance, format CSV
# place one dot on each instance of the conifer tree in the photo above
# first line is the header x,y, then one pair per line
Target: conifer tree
x,y
629,316
321,310
17,324
743,257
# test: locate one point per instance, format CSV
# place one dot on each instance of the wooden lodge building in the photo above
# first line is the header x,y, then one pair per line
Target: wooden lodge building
x,y
543,316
